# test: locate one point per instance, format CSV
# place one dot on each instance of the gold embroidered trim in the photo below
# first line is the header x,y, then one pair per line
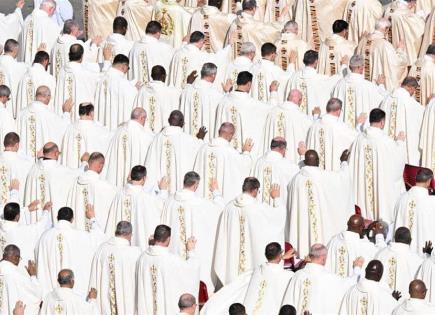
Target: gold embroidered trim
x,y
393,119
153,271
85,194
281,125
124,145
239,40
166,21
369,181
29,36
304,102
411,210
418,97
367,67
342,262
69,86
206,27
5,186
349,12
242,249
277,11
322,154
350,106
314,26
261,91
2,78
195,114
2,243
144,65
235,122
168,160
57,63
152,112
112,286
126,205
58,309
267,184
392,263
79,147
43,197
211,173
32,141
260,297
59,239
29,91
306,295
184,62
183,236
364,304
331,59
312,211
284,58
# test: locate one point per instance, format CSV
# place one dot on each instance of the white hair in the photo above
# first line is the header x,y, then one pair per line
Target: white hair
x,y
318,250
356,61
47,3
382,24
290,26
247,48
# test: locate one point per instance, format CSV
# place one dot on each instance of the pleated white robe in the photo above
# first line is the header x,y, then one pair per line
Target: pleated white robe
x,y
424,71
68,302
427,274
362,16
413,306
138,14
7,121
332,50
287,43
427,137
239,64
11,25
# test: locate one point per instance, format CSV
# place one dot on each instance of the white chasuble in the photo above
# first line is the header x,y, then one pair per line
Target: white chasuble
x,y
66,301
413,306
332,50
290,42
424,71
362,16
137,13
427,274
11,25
427,137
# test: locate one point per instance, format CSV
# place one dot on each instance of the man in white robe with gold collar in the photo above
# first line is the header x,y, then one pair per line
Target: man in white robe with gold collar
x,y
424,70
113,272
362,16
137,13
427,144
162,276
405,114
12,23
246,226
118,39
191,216
244,61
219,161
128,147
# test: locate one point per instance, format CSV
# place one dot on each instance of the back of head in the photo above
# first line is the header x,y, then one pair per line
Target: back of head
x,y
339,26
355,224
227,130
158,73
42,92
431,50
10,211
96,158
424,175
138,173
70,26
374,270
287,310
311,158
377,115
278,143
250,184
120,59
11,46
5,91
382,24
402,235
11,252
410,82
196,37
50,148
249,5
120,25
291,27
76,52
185,301
236,309
123,229
247,48
215,3
267,49
208,70
191,179
244,78
47,4
138,113
356,61
86,109
41,57
11,139
417,289
176,118
162,233
334,105
310,57
273,251
65,278
66,214
318,253
153,27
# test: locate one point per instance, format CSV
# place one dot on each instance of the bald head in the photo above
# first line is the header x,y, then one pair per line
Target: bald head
x,y
417,289
65,278
176,118
139,114
43,94
50,151
311,158
356,224
374,270
187,303
295,96
279,144
227,131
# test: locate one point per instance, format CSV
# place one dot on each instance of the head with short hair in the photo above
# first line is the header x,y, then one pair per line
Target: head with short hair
x,y
138,174
226,131
76,52
341,28
5,94
158,73
11,48
424,177
86,110
251,185
121,62
124,229
65,214
191,180
50,151
382,25
187,303
356,224
249,6
334,106
43,58
176,118
96,162
244,81
11,211
248,50
72,28
291,27
12,254
403,235
287,310
268,51
410,84
377,118
11,142
65,278
374,270
417,289
311,58
43,94
237,309
311,158
273,252
154,29
139,115
318,253
431,50
162,235
49,6
356,64
208,71
295,96
279,144
197,38
120,25
215,3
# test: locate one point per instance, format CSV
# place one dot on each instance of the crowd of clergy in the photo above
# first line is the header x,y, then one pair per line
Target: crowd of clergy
x,y
218,157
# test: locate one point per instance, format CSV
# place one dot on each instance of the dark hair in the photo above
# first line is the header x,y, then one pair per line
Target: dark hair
x,y
410,81
268,49
282,144
138,172
162,233
10,45
376,115
153,27
66,214
11,139
273,250
95,156
190,179
244,77
287,310
249,5
402,235
158,73
430,50
86,109
236,309
196,37
119,24
250,184
176,118
423,175
339,26
66,278
41,56
310,57
76,52
10,211
121,59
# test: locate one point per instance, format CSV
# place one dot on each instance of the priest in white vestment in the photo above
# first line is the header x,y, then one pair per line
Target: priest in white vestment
x,y
405,114
15,230
64,11
157,99
113,272
149,52
273,167
64,246
35,76
162,276
191,216
317,202
317,290
246,226
427,136
329,136
90,189
348,245
335,48
369,296
244,61
416,304
287,120
64,299
118,40
134,204
12,72
424,71
172,153
12,24
219,161
7,121
20,285
48,180
428,32
39,28
99,16
84,136
401,263
359,96
426,273
414,210
115,94
376,164
37,124
246,114
137,13
362,16
128,147
381,57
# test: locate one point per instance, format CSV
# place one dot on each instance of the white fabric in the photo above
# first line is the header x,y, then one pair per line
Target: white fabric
x,y
64,11
19,166
427,274
427,142
287,43
362,16
11,25
239,64
120,44
414,307
68,302
7,121
332,50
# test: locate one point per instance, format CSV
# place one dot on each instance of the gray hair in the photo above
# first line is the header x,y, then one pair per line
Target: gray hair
x,y
190,179
333,105
47,3
317,251
4,91
247,48
186,300
69,25
208,69
382,24
356,61
290,26
42,91
137,113
123,228
65,276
